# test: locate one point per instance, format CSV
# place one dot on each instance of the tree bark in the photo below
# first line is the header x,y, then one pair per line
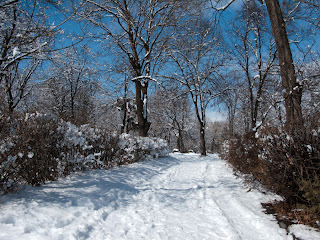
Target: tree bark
x,y
292,89
203,151
143,123
180,142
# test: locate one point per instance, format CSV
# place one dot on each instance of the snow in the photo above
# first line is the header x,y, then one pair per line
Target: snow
x,y
144,77
144,106
15,51
183,196
304,232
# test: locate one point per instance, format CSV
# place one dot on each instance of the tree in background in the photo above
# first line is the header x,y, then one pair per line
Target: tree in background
x,y
284,157
71,85
25,37
254,51
196,60
231,98
292,88
173,120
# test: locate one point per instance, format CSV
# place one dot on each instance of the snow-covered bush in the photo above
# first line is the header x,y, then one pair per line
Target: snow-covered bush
x,y
29,153
85,147
135,148
38,148
291,159
293,168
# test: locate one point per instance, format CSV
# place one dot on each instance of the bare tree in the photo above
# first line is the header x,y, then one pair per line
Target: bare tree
x,y
71,85
171,113
178,113
310,75
196,60
254,51
231,98
119,83
139,30
15,83
292,88
24,38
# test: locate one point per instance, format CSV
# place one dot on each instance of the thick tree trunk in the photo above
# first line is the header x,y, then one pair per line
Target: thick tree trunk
x,y
292,89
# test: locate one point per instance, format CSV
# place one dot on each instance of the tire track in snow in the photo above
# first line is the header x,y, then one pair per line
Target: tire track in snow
x,y
191,176
227,196
210,196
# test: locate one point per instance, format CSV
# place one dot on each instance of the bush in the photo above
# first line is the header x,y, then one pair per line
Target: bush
x,y
134,148
36,148
292,161
242,153
311,193
288,165
29,152
85,147
294,169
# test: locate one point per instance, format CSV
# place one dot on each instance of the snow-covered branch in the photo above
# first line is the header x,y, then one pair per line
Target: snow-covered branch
x,y
224,7
21,56
139,78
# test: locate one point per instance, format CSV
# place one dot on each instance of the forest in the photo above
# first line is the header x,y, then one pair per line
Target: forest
x,y
100,83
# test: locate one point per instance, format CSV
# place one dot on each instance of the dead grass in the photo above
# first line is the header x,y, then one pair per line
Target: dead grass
x,y
292,213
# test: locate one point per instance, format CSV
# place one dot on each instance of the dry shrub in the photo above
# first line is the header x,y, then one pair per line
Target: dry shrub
x,y
243,153
28,152
35,148
280,159
287,164
108,148
292,161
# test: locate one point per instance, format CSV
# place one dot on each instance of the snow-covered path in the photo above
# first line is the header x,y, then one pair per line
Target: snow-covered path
x,y
178,197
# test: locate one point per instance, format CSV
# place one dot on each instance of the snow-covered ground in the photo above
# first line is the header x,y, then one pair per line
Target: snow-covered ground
x,y
183,196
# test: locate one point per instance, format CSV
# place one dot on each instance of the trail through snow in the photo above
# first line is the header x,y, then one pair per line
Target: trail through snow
x,y
183,196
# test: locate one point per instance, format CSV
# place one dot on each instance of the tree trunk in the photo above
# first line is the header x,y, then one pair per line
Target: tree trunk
x,y
292,89
180,142
203,151
213,145
124,127
72,110
124,118
231,114
231,125
141,94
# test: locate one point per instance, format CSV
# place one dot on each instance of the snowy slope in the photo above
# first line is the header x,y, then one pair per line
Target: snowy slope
x,y
178,197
